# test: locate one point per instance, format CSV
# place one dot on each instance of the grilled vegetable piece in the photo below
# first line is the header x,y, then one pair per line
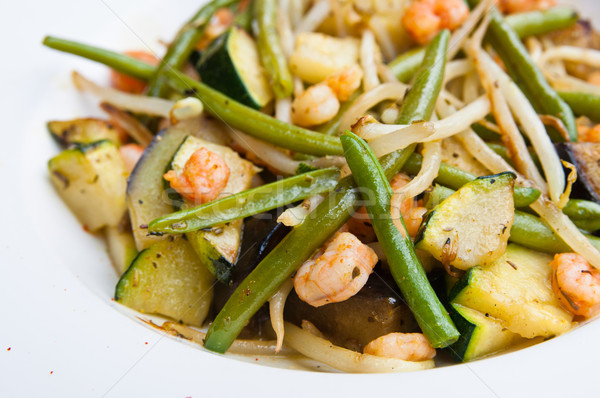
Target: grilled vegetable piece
x,y
584,156
374,311
145,187
121,247
231,65
516,290
317,56
91,179
83,131
168,279
480,334
472,226
218,247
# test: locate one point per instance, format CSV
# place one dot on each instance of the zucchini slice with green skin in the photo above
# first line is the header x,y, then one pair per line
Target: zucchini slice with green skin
x,y
515,289
83,131
145,187
218,247
472,226
480,335
91,179
168,279
231,65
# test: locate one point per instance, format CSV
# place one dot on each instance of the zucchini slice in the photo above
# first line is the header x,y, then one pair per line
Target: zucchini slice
x,y
168,279
472,226
231,65
145,188
480,334
121,246
91,179
218,248
515,289
83,131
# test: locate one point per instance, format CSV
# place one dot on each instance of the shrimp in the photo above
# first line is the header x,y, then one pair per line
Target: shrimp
x,y
316,105
130,84
424,19
406,346
337,272
220,21
203,178
516,6
131,154
576,284
586,131
345,82
360,223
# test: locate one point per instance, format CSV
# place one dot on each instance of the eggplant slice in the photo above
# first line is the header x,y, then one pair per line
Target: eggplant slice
x,y
585,156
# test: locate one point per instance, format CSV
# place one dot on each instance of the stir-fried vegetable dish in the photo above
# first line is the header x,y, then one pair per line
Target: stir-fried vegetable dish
x,y
368,184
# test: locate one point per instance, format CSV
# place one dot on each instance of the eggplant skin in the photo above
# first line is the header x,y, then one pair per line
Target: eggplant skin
x,y
585,156
377,309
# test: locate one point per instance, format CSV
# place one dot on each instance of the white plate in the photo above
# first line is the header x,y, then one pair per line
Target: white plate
x,y
61,334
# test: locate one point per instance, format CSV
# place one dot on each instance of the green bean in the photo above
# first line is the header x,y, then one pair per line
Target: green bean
x,y
253,122
300,244
407,63
269,48
536,23
503,151
528,76
247,203
117,61
584,213
524,24
417,104
583,104
332,126
529,230
455,178
180,49
404,264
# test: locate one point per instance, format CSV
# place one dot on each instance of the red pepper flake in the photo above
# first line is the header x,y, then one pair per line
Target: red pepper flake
x,y
256,359
146,343
8,349
86,229
51,372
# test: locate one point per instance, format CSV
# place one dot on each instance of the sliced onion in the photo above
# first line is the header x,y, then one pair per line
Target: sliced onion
x,y
580,55
534,129
314,17
428,131
458,68
274,157
130,124
400,139
562,81
346,360
242,347
276,307
283,109
131,102
432,158
564,227
284,28
296,215
470,89
512,136
383,39
383,92
460,35
367,60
